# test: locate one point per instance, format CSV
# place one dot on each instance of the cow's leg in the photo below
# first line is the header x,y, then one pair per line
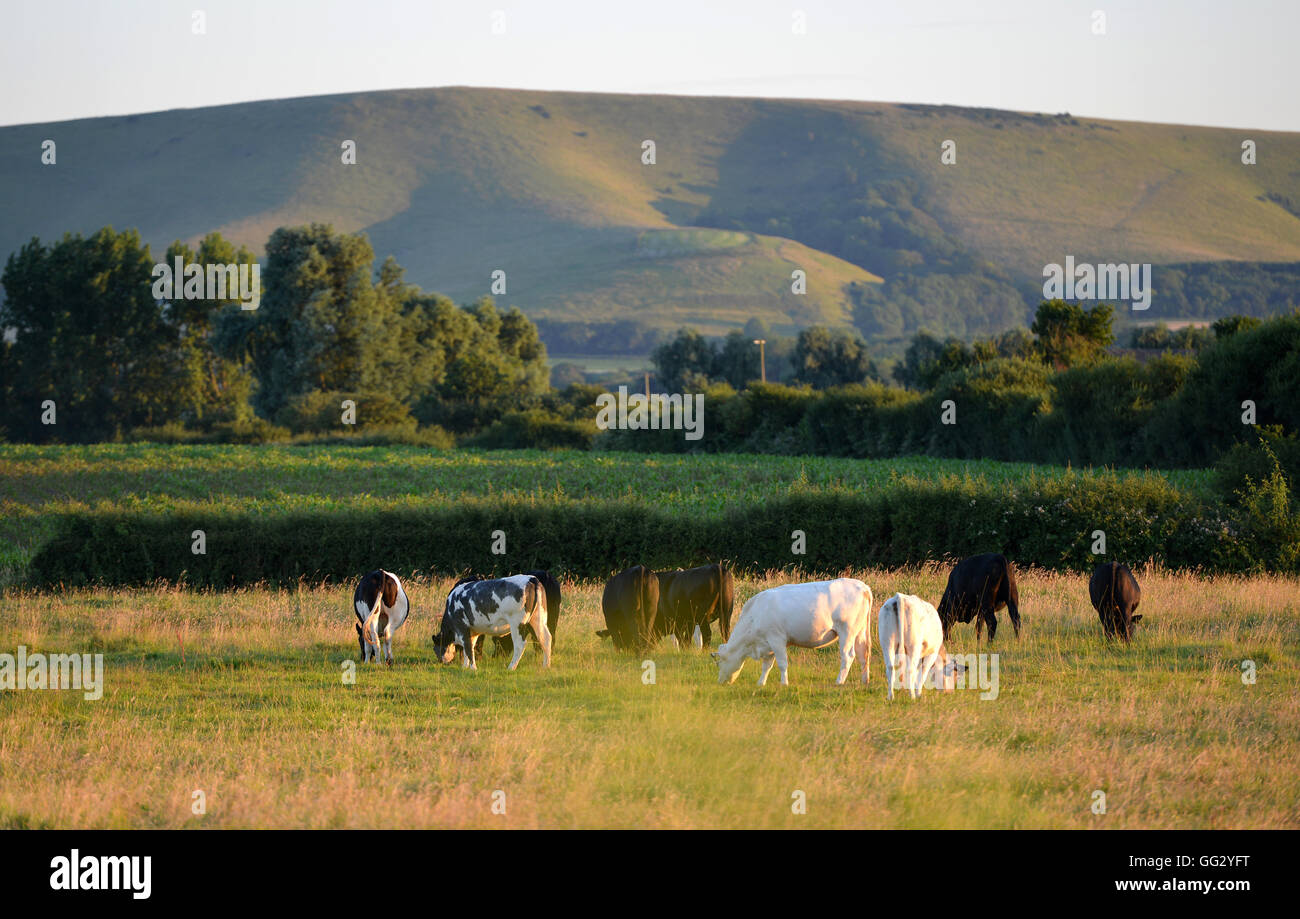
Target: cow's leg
x,y
467,648
783,663
362,642
863,651
847,647
388,646
768,660
544,639
706,633
923,673
993,624
517,637
893,664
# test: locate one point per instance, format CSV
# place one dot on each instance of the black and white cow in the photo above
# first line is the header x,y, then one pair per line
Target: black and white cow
x,y
492,606
689,600
977,588
1115,594
381,606
553,598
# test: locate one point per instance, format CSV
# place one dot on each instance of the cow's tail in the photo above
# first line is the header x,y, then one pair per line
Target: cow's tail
x,y
728,593
1013,598
534,599
372,621
904,640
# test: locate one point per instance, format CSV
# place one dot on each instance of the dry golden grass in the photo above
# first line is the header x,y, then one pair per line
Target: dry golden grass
x,y
259,719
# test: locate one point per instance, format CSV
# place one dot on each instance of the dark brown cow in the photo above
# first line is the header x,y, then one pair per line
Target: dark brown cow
x,y
630,603
977,588
693,598
1115,594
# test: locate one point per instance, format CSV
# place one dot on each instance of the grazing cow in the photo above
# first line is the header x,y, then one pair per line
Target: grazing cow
x,y
689,600
977,588
805,615
630,603
381,606
911,640
1115,594
480,606
552,588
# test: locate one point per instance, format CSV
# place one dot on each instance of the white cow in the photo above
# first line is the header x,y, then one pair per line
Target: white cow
x,y
911,639
805,615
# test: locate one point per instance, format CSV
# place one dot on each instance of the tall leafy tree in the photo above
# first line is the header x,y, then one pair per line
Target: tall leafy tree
x,y
87,334
827,357
1067,334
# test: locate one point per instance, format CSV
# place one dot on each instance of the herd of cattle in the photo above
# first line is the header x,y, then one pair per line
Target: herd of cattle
x,y
642,606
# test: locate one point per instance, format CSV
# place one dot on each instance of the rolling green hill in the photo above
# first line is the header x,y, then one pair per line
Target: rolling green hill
x,y
550,187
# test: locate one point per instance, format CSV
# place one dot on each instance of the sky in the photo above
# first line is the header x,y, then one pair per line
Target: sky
x,y
1206,62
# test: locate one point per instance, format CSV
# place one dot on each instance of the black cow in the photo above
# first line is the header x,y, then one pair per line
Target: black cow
x,y
1115,594
977,588
630,603
552,587
695,597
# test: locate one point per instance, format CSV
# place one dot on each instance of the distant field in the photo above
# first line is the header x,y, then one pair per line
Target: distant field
x,y
257,717
601,363
37,484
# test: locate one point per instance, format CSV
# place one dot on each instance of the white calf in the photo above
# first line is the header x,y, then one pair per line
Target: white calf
x,y
805,615
911,639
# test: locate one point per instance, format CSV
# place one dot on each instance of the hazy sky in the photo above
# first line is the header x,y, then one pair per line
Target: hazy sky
x,y
1210,62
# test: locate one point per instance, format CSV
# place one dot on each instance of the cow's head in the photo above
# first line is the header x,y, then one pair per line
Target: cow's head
x,y
946,668
1127,627
729,663
444,640
444,646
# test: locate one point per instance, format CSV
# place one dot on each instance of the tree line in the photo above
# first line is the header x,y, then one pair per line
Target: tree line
x,y
90,354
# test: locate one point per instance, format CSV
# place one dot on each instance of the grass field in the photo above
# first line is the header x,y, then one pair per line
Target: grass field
x,y
256,715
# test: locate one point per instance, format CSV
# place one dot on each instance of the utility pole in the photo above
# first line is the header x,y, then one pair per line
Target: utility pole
x,y
762,357
647,384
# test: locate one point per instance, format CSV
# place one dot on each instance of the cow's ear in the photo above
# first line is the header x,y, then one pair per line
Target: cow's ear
x,y
1136,618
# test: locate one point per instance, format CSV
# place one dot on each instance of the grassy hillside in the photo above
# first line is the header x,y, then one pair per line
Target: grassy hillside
x,y
551,188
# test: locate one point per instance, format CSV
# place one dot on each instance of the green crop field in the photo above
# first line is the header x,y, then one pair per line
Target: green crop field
x,y
38,484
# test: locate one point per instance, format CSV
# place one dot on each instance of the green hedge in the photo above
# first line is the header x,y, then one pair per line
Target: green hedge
x,y
1045,522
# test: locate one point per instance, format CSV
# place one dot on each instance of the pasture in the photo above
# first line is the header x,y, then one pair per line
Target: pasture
x,y
255,714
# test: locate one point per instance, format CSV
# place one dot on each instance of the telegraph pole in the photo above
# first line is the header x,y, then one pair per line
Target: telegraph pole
x,y
762,357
